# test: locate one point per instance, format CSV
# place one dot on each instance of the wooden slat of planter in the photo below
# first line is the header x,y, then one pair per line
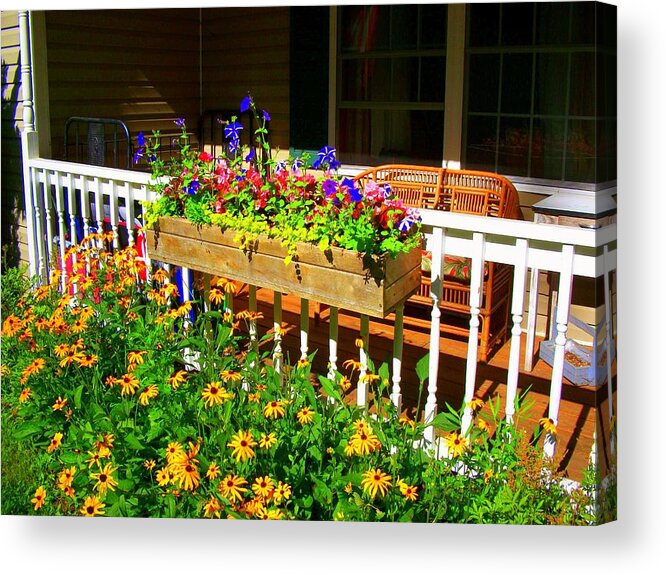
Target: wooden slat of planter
x,y
338,279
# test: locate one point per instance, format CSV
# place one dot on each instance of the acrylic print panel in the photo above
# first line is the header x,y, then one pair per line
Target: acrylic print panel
x,y
157,394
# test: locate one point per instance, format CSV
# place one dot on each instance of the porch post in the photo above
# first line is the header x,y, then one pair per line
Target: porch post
x,y
29,141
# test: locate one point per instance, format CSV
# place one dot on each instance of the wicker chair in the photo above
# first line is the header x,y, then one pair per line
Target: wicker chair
x,y
468,192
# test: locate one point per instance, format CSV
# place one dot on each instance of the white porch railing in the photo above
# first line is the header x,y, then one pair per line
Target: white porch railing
x,y
58,194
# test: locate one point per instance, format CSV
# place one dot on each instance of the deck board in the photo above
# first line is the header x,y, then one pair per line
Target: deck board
x,y
581,407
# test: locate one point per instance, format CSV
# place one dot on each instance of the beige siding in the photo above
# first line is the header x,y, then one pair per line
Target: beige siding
x,y
247,49
139,66
13,228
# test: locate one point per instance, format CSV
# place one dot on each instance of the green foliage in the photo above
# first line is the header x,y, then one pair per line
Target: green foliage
x,y
141,394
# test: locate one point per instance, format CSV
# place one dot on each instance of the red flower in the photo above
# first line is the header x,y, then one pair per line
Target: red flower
x,y
205,157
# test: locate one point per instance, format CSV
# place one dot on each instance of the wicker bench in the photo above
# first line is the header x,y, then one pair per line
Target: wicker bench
x,y
468,192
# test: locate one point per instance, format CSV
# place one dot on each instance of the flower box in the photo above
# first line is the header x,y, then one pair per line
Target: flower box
x,y
372,285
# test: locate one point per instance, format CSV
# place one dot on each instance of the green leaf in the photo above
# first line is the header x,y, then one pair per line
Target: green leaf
x,y
26,430
423,367
329,388
133,442
78,393
324,243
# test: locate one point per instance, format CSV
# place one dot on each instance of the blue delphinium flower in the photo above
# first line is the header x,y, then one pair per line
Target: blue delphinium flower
x,y
141,141
180,122
266,115
250,156
245,103
192,188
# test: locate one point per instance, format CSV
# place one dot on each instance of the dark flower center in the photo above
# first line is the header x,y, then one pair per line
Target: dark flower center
x,y
102,477
90,509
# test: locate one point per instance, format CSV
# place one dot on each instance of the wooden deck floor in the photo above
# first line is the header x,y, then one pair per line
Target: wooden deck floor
x,y
581,409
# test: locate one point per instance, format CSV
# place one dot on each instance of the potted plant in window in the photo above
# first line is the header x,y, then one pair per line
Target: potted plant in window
x,y
293,225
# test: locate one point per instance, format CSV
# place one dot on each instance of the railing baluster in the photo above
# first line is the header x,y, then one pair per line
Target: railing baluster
x,y
531,320
113,214
252,306
85,206
333,342
129,215
37,203
305,327
396,393
517,307
62,229
277,330
562,320
48,217
99,206
609,345
438,243
362,386
475,293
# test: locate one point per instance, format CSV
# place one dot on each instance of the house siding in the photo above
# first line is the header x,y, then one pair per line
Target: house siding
x,y
139,66
13,223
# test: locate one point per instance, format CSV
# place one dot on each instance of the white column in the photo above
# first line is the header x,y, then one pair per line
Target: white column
x,y
517,301
396,393
333,342
475,294
38,202
435,315
305,327
362,386
562,320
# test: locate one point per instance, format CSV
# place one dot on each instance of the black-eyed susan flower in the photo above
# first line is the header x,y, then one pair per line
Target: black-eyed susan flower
x,y
88,360
61,350
263,487
39,497
213,471
10,326
375,481
359,342
482,424
5,371
349,449
73,356
149,392
55,442
175,452
215,394
409,491
407,421
274,409
78,326
97,456
229,375
456,443
476,403
548,425
274,515
282,492
128,383
215,296
364,442
267,440
242,444
104,479
136,357
232,488
305,415
187,475
302,363
25,395
160,275
162,477
177,378
149,464
212,507
253,397
66,477
345,383
35,367
92,506
352,364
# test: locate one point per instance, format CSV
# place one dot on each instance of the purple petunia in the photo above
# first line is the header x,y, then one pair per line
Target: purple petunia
x,y
180,122
326,157
266,116
355,194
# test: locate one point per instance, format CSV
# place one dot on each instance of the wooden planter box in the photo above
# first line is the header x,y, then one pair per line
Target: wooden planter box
x,y
346,279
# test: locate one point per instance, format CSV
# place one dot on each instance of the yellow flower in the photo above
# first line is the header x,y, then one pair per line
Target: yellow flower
x,y
229,375
253,397
187,475
175,452
266,441
25,394
548,425
39,497
364,442
263,487
212,507
104,479
302,363
274,409
214,394
92,506
148,393
456,444
35,367
282,491
162,476
232,488
406,420
87,360
73,355
136,357
305,416
349,450
66,477
11,326
482,424
216,295
149,464
96,456
177,378
160,275
79,326
213,471
409,491
55,442
345,383
128,384
375,480
359,342
242,444
476,404
352,364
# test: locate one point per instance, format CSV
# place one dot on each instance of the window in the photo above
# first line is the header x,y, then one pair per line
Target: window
x,y
391,81
541,90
